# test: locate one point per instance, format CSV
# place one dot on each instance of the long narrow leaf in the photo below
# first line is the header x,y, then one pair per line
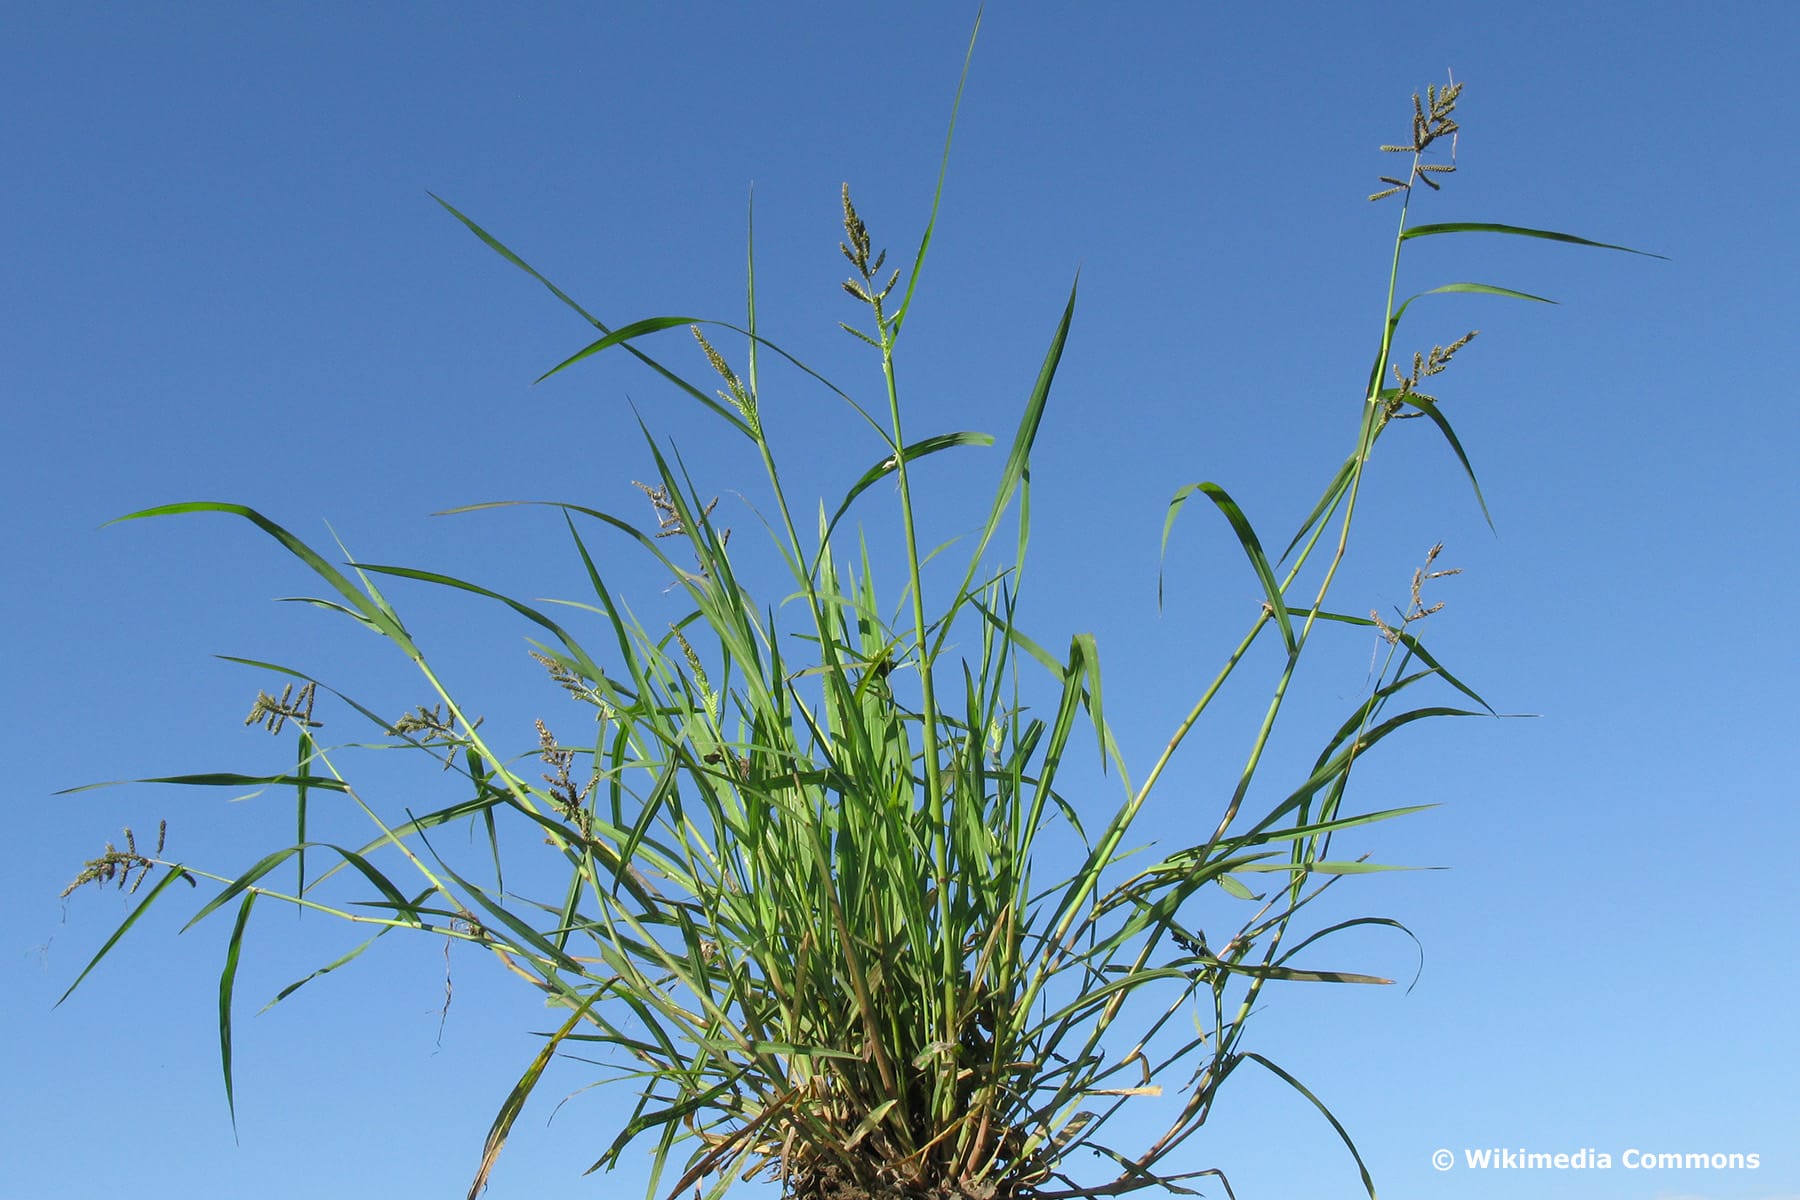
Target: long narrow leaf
x,y
220,779
1240,525
227,982
1419,231
1018,459
521,1091
1368,1180
888,465
1430,408
937,194
366,608
143,906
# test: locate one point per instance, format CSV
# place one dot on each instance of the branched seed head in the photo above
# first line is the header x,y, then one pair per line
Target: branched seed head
x,y
1432,119
127,866
429,721
273,713
858,233
434,728
576,685
1423,366
1419,610
667,515
693,661
571,801
857,251
735,394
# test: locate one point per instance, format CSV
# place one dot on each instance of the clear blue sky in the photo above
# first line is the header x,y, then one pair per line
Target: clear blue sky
x,y
224,280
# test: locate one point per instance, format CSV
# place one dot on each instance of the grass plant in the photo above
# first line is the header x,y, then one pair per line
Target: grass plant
x,y
797,895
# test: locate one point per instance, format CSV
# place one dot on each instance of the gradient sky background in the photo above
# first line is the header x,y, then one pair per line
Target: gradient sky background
x,y
224,280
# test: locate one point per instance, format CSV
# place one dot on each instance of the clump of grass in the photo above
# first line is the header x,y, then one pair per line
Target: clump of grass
x,y
800,892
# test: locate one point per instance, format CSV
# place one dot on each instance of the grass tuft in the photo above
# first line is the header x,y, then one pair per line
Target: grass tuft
x,y
791,879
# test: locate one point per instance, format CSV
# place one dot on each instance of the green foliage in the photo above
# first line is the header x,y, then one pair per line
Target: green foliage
x,y
801,899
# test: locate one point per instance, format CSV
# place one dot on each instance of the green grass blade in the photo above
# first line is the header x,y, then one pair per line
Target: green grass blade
x,y
1419,231
302,772
143,906
1431,409
527,935
1018,459
583,662
751,380
218,779
1320,867
241,884
888,465
495,244
1296,975
344,959
937,194
366,608
1482,289
1352,923
1342,761
1368,1180
620,336
227,982
1333,492
385,886
521,1091
1417,649
1240,525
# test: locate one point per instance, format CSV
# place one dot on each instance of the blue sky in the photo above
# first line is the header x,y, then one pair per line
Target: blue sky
x,y
225,280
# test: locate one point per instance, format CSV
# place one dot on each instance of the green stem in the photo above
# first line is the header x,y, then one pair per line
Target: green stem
x,y
949,966
1127,815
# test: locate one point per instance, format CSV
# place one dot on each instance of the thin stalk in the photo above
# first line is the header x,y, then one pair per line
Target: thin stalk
x,y
1371,404
949,965
1126,817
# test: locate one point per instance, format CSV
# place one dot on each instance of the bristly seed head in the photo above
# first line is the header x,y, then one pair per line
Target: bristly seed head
x,y
570,800
1423,366
433,729
273,713
667,515
857,252
707,695
1432,119
1419,610
576,685
858,233
127,866
736,394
